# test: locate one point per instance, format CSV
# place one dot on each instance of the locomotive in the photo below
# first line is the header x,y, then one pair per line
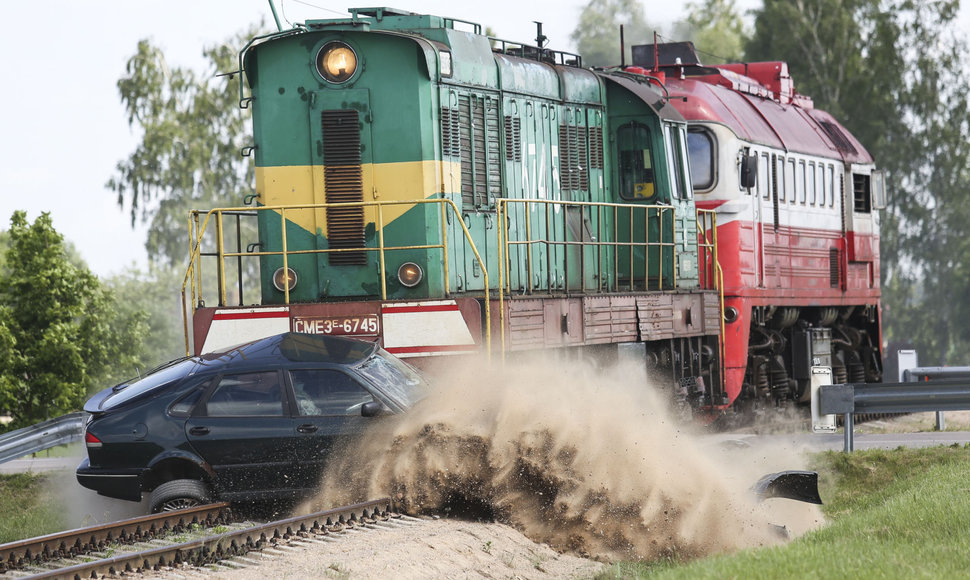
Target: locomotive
x,y
797,200
444,193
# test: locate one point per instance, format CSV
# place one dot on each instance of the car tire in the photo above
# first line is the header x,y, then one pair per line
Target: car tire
x,y
178,494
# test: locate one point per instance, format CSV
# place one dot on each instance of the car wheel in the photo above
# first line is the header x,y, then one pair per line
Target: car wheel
x,y
178,494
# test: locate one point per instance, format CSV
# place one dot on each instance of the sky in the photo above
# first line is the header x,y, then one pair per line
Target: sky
x,y
63,124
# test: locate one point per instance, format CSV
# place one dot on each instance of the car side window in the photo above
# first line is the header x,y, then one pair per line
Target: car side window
x,y
247,395
184,405
327,392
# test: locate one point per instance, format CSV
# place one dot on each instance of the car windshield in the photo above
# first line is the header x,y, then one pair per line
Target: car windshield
x,y
399,380
160,377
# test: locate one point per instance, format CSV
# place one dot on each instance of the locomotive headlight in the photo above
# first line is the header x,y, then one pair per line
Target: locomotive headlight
x,y
284,279
336,62
410,274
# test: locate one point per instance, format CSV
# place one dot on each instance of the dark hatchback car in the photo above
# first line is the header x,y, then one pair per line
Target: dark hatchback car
x,y
255,422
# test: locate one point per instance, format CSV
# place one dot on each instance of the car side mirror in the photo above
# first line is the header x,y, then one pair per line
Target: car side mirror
x,y
374,409
749,171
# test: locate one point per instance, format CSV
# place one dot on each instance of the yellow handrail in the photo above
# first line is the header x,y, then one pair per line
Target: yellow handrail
x,y
192,282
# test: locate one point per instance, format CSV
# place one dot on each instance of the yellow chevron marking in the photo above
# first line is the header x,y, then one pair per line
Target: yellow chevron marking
x,y
303,185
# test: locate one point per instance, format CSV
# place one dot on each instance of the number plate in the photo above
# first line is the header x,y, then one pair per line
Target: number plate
x,y
367,325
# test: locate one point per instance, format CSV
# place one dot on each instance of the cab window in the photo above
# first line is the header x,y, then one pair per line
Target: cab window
x,y
700,149
677,162
636,162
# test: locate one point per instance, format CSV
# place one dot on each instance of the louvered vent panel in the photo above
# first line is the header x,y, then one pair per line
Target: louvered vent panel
x,y
573,172
480,151
582,149
450,132
513,139
494,147
596,147
343,181
834,268
565,163
838,137
465,132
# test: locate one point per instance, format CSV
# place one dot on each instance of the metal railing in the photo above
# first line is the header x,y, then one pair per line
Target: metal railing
x,y
562,225
192,283
578,238
917,397
59,431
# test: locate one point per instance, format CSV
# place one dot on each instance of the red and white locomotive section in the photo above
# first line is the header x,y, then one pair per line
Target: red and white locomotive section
x,y
796,197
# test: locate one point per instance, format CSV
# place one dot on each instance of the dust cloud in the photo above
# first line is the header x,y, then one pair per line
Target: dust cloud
x,y
586,460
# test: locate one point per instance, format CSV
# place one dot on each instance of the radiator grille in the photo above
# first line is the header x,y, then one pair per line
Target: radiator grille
x,y
343,180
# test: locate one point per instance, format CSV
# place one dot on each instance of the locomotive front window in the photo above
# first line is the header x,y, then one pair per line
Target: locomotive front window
x,y
636,162
700,148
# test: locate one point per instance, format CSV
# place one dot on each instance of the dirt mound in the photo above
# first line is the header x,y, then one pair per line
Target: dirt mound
x,y
586,461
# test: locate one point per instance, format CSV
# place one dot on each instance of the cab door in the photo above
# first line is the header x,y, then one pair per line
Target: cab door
x,y
645,234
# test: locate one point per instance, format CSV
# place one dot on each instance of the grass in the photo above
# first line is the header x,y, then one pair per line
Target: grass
x,y
903,513
28,507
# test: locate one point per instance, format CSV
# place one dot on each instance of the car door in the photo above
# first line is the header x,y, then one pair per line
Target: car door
x,y
328,405
244,430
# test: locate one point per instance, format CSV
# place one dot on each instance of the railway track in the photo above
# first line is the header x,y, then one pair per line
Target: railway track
x,y
197,536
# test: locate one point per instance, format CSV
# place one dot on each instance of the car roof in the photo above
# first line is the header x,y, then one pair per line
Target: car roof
x,y
294,347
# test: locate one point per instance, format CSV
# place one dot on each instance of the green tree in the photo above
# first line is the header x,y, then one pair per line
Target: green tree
x,y
60,332
893,73
192,132
152,293
716,29
597,36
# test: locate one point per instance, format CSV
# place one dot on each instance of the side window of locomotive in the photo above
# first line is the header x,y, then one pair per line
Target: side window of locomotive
x,y
820,185
790,180
800,182
700,149
812,194
861,193
830,183
764,176
636,162
780,178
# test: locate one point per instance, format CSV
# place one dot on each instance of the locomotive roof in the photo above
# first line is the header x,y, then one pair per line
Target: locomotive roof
x,y
762,108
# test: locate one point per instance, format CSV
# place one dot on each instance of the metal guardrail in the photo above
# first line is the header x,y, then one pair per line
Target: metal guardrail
x,y
913,397
60,431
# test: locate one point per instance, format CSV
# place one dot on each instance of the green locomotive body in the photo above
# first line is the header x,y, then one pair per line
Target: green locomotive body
x,y
409,163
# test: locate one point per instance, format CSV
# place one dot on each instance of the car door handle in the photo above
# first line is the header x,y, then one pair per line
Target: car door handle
x,y
307,428
199,431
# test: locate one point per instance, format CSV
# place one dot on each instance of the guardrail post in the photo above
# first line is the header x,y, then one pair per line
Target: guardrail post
x,y
849,427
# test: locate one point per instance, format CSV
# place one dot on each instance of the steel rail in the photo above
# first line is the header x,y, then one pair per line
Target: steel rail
x,y
32,551
210,549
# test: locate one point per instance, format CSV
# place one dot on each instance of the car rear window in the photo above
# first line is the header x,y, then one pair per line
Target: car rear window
x,y
160,377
